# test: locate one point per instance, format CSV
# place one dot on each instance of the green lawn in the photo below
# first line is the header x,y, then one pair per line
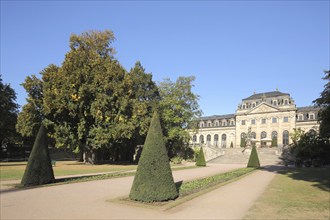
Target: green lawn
x,y
15,170
299,193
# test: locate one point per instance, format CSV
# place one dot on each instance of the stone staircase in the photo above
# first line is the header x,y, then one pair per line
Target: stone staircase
x,y
267,156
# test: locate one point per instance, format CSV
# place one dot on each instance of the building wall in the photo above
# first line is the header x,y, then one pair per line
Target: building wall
x,y
278,109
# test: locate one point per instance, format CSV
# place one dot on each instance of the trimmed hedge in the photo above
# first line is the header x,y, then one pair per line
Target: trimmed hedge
x,y
254,159
153,181
39,169
200,160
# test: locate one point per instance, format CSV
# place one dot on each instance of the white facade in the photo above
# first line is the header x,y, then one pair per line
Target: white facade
x,y
269,115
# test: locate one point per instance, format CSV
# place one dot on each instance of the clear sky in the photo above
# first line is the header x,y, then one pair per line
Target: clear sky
x,y
232,47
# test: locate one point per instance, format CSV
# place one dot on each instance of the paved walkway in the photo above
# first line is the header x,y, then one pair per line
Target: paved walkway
x,y
87,200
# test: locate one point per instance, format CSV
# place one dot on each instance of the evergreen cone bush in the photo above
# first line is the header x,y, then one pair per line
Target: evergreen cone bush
x,y
200,161
254,159
153,181
39,169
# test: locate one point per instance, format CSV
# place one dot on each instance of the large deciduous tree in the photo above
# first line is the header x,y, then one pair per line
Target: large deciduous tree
x,y
179,110
8,113
324,102
91,102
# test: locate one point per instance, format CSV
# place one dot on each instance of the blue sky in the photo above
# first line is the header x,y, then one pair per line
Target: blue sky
x,y
232,47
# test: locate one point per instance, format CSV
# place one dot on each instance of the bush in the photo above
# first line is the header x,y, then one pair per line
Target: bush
x,y
153,180
254,159
200,160
311,149
39,169
177,160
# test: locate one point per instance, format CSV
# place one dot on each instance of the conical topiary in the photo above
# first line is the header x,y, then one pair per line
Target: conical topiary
x,y
200,160
39,169
254,159
153,180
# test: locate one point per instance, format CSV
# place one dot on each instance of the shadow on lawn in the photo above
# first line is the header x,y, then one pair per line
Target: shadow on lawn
x,y
320,176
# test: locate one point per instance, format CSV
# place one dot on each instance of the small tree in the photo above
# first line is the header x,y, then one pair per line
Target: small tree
x,y
200,161
274,142
39,169
243,143
254,159
153,179
231,145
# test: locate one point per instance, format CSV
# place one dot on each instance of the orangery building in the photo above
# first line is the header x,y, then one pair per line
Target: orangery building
x,y
270,117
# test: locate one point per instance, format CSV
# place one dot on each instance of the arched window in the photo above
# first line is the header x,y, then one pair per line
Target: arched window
x,y
224,140
216,123
253,135
263,135
216,140
194,139
201,139
243,139
208,140
274,139
285,138
201,124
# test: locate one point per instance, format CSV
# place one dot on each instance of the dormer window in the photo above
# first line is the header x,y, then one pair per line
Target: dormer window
x,y
243,106
311,116
209,124
300,117
286,102
253,105
201,124
275,102
216,123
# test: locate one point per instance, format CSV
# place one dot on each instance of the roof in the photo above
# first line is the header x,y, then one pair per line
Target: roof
x,y
307,109
267,94
212,117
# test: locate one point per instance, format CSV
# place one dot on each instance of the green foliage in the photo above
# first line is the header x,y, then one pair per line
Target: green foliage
x,y
39,169
324,102
200,160
91,101
274,142
8,113
200,184
179,111
153,180
176,160
311,149
254,159
243,142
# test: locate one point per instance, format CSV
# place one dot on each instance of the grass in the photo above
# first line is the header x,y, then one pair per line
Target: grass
x,y
299,193
15,170
191,189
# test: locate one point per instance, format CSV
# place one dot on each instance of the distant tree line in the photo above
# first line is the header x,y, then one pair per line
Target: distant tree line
x,y
93,106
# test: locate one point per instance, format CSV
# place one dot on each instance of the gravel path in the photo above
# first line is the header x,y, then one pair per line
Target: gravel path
x,y
87,200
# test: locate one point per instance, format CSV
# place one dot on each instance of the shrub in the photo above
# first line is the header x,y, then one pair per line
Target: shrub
x,y
153,180
176,160
200,160
254,159
39,169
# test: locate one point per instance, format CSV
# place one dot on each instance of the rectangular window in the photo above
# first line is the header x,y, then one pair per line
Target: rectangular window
x,y
300,117
243,122
263,121
311,117
286,119
253,121
274,120
285,102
